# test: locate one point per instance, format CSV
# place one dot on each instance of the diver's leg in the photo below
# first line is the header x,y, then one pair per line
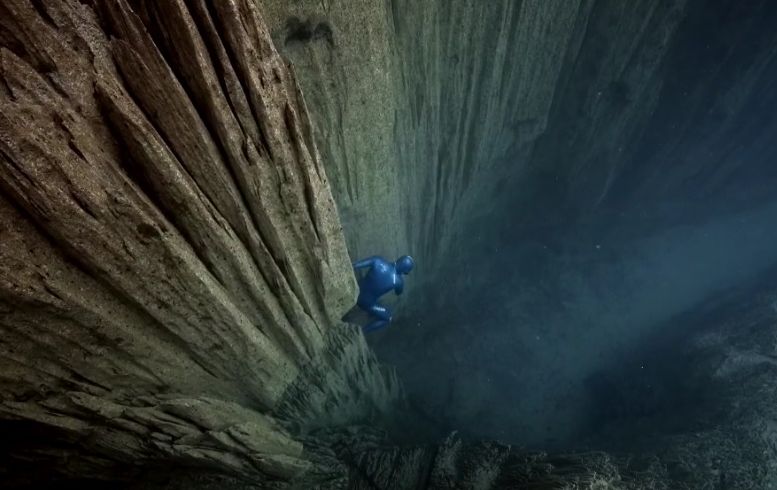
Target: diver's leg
x,y
383,315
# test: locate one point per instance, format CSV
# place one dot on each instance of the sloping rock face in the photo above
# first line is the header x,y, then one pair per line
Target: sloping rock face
x,y
532,155
172,267
419,104
436,114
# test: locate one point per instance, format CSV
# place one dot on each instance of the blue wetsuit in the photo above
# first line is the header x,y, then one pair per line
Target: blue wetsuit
x,y
382,277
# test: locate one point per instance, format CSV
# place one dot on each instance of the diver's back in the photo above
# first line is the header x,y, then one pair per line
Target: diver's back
x,y
379,280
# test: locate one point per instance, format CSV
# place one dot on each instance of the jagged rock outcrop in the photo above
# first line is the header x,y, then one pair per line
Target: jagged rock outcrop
x,y
455,463
172,265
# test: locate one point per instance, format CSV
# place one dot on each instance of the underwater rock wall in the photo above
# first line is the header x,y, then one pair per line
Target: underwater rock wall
x,y
543,160
172,266
345,57
171,258
430,111
437,114
433,116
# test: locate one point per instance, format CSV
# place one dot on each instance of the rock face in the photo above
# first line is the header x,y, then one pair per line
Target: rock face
x,y
532,156
432,114
413,101
172,267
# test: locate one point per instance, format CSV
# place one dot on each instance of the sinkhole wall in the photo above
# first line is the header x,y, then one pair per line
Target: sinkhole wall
x,y
172,265
562,170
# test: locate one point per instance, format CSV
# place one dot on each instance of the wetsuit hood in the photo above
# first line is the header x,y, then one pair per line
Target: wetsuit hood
x,y
405,264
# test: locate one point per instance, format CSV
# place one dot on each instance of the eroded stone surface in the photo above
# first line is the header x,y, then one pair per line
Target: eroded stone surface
x,y
173,269
171,258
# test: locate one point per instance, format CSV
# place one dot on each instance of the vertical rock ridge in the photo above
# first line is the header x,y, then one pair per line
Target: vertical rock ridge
x,y
173,268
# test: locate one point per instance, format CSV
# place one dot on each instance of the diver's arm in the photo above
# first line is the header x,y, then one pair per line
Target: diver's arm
x,y
399,285
364,263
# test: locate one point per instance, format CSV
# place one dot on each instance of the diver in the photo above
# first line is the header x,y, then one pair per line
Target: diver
x,y
382,277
